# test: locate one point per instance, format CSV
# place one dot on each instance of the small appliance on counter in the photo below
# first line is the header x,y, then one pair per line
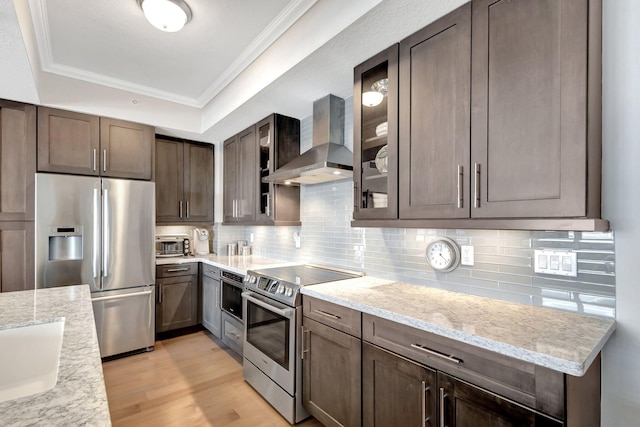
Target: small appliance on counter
x,y
201,241
172,245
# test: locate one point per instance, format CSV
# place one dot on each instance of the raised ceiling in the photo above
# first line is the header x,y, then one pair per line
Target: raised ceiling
x,y
233,63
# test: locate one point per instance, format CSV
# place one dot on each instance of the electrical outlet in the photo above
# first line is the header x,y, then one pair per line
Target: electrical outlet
x,y
466,255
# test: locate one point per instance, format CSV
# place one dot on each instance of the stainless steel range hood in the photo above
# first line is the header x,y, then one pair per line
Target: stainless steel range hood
x,y
328,159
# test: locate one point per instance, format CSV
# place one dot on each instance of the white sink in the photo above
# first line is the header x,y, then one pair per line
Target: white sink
x,y
29,357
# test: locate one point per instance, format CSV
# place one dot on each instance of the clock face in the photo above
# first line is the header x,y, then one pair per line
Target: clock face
x,y
443,255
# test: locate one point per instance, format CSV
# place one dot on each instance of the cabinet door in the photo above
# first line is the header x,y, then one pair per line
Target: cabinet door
x,y
529,81
68,142
198,182
169,181
396,391
177,302
465,405
17,256
230,180
435,119
211,314
266,164
248,176
375,137
127,149
17,161
331,375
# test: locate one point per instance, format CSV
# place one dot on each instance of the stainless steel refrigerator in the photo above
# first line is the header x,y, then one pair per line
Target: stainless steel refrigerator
x,y
100,232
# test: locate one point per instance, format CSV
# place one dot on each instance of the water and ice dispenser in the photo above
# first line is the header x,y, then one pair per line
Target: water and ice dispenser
x,y
65,243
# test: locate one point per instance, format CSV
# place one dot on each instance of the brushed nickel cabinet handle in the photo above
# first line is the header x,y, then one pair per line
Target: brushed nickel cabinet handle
x,y
303,350
356,196
460,186
424,403
436,353
160,294
324,313
180,208
104,160
442,408
187,209
95,154
173,270
476,197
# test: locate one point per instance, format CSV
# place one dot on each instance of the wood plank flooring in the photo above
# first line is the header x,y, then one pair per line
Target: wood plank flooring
x,y
191,380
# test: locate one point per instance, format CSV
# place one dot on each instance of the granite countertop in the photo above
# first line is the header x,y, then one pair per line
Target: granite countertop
x,y
237,264
559,340
79,397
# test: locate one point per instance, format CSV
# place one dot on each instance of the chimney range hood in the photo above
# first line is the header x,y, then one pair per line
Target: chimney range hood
x,y
328,159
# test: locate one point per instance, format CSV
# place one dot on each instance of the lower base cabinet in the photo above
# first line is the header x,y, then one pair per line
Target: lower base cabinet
x,y
396,391
331,373
232,333
176,296
211,312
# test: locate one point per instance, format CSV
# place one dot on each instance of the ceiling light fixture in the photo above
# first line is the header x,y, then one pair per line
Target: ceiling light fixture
x,y
166,15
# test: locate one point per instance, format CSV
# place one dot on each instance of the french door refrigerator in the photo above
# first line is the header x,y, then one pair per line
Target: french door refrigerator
x,y
100,232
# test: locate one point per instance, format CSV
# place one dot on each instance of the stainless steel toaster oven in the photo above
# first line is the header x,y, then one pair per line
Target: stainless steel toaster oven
x,y
173,245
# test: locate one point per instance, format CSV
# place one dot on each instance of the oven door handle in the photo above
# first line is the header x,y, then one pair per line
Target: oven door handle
x,y
287,312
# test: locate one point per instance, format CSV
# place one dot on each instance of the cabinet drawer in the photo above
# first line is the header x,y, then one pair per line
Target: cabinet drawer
x,y
171,270
211,271
523,382
337,316
232,333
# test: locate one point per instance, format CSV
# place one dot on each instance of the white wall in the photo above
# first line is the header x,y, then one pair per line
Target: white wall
x,y
621,205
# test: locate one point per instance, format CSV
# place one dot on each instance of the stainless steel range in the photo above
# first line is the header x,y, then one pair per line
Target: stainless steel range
x,y
272,312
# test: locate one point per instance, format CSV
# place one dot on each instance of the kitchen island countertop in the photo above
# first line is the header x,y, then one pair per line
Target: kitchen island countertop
x,y
563,341
237,264
79,397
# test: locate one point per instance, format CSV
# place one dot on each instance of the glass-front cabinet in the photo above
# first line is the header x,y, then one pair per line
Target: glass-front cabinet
x,y
375,118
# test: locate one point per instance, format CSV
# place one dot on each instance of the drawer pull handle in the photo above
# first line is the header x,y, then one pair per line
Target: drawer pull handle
x,y
324,313
173,270
436,353
302,343
442,408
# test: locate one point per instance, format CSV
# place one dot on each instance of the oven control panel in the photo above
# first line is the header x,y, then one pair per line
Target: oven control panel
x,y
267,285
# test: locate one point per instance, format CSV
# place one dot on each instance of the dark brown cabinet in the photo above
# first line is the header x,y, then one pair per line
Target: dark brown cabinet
x,y
375,167
176,296
17,254
17,195
530,113
82,144
127,149
17,161
184,181
463,404
278,143
435,119
240,177
396,391
331,364
500,119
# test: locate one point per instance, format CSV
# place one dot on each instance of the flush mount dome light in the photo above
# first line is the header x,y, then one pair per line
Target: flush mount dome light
x,y
166,15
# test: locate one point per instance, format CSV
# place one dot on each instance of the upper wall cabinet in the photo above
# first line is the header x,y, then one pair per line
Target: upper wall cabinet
x,y
499,119
278,144
252,155
375,136
184,182
240,177
17,161
434,118
82,144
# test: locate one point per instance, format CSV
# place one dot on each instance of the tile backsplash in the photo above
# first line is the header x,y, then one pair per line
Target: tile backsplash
x,y
503,267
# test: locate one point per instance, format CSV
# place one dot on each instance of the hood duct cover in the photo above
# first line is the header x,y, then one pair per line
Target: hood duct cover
x,y
328,159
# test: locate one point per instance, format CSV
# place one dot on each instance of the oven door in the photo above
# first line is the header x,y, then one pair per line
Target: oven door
x,y
270,338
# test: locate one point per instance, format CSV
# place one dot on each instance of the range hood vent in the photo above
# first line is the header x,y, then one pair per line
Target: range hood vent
x,y
328,159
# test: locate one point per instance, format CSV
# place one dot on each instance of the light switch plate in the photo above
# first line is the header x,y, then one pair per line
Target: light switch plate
x,y
466,255
559,263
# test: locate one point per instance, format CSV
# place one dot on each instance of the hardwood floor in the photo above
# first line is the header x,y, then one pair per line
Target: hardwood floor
x,y
191,380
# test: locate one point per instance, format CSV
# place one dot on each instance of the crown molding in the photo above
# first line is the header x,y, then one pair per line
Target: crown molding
x,y
280,24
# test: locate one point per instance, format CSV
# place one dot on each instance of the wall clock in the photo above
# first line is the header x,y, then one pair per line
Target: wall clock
x,y
443,254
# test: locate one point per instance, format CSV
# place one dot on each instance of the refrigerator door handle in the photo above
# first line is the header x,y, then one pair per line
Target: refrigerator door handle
x,y
96,233
134,294
106,221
